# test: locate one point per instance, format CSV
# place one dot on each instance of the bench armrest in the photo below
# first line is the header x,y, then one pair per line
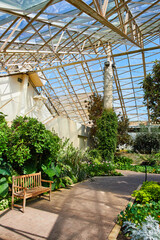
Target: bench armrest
x,y
46,181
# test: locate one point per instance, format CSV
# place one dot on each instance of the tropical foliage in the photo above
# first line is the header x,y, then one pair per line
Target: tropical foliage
x,y
95,109
143,217
151,87
28,147
107,134
147,143
122,132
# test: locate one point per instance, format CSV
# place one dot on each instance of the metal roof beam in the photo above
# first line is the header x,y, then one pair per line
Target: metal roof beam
x,y
91,12
99,58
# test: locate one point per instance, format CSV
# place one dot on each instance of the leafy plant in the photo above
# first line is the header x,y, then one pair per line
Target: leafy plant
x,y
96,168
95,109
121,161
151,88
107,134
95,154
4,204
54,173
150,191
31,145
4,174
4,135
146,143
138,168
123,126
150,160
149,230
67,181
137,212
72,160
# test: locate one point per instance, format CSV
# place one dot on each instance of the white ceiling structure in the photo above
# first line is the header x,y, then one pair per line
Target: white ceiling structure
x,y
66,43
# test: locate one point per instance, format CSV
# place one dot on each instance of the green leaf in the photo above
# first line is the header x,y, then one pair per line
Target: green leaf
x,y
49,171
4,172
29,169
3,187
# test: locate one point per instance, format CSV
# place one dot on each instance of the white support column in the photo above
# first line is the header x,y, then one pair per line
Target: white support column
x,y
108,84
23,104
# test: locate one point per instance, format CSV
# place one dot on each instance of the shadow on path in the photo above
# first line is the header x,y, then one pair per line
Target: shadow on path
x,y
86,211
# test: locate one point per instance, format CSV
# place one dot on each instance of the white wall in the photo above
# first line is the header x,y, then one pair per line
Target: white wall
x,y
16,99
65,128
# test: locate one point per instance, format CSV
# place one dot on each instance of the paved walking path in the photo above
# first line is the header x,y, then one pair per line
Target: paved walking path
x,y
86,211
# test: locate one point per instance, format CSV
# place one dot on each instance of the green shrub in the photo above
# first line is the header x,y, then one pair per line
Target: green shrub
x,y
138,168
31,145
146,143
149,160
137,213
4,136
107,134
157,159
71,160
149,229
5,167
95,154
150,191
122,161
4,204
67,181
123,126
54,173
96,168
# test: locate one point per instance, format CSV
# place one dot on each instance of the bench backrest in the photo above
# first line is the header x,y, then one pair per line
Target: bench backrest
x,y
28,181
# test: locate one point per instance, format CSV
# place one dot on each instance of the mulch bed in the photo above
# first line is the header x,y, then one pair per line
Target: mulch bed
x,y
122,237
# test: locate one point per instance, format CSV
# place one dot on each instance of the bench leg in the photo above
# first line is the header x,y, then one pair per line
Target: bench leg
x,y
12,202
50,191
24,203
50,195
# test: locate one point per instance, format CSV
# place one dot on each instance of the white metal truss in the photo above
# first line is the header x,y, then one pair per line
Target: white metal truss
x,y
66,43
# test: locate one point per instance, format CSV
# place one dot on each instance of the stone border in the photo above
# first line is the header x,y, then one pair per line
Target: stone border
x,y
116,229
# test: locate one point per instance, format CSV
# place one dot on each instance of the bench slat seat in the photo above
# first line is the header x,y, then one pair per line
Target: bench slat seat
x,y
27,186
32,192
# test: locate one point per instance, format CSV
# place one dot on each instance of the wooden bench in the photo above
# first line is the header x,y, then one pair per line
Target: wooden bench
x,y
27,186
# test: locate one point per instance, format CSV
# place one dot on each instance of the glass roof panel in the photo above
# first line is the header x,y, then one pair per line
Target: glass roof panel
x,y
22,4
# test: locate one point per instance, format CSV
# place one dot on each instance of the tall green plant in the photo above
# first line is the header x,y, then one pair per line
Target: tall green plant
x,y
71,160
31,145
5,167
146,143
123,126
95,109
107,134
151,87
4,135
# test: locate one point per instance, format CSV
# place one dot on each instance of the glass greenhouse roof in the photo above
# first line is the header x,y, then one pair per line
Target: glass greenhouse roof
x,y
66,43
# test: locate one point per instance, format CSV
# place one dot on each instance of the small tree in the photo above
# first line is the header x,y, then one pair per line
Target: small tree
x,y
151,87
107,134
31,145
4,135
95,109
147,143
123,126
5,167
